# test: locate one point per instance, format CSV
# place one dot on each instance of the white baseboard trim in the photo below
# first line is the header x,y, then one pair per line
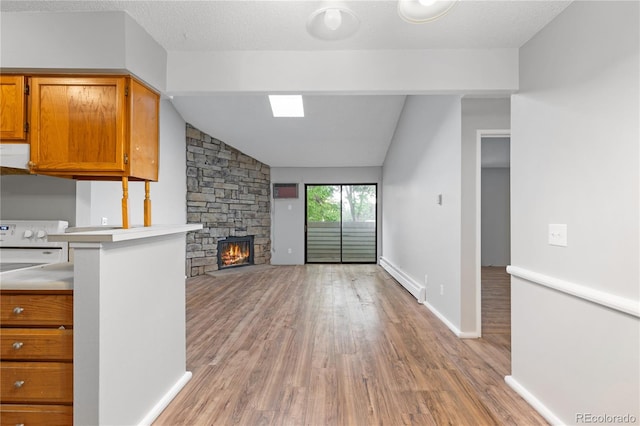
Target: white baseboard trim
x,y
533,401
418,291
452,327
619,303
165,400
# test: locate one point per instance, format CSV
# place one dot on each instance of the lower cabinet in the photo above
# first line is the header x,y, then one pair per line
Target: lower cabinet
x,y
36,350
36,415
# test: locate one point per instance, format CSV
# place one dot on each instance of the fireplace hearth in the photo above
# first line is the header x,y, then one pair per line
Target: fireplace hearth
x,y
235,251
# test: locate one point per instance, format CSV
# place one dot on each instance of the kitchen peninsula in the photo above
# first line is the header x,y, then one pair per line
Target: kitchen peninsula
x,y
129,322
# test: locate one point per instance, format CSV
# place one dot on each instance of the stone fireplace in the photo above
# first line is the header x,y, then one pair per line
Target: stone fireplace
x,y
229,193
235,251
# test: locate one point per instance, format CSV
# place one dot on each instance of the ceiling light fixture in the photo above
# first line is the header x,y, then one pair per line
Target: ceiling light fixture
x,y
332,23
333,19
421,11
286,105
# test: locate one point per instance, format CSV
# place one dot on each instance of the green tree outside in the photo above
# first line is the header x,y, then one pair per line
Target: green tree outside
x,y
323,203
358,203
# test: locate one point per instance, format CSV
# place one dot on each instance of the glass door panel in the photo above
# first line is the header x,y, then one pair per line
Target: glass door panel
x,y
359,223
323,223
341,223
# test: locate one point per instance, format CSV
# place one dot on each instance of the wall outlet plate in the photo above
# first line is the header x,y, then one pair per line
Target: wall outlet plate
x,y
558,234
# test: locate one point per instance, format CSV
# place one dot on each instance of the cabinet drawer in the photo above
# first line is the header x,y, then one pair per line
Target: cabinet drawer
x,y
36,415
36,310
38,344
36,382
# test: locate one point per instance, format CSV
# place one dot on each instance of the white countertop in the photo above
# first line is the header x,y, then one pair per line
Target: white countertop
x,y
54,276
111,235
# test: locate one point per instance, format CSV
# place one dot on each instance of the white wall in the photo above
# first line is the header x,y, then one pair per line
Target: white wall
x,y
575,161
346,71
168,196
421,237
108,41
288,215
496,224
33,197
477,114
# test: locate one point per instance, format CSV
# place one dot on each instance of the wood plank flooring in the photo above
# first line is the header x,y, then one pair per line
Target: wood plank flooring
x,y
495,345
331,345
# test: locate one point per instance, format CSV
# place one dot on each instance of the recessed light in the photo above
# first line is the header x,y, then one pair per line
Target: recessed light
x,y
286,105
421,11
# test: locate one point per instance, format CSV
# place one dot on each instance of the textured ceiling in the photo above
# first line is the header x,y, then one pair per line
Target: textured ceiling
x,y
338,130
281,25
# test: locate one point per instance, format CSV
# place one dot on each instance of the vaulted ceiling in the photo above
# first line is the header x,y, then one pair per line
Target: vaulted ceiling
x,y
338,129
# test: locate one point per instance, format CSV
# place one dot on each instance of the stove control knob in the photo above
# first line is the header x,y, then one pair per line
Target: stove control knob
x,y
41,234
28,233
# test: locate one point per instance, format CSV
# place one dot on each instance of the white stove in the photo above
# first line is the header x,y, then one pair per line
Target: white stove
x,y
24,244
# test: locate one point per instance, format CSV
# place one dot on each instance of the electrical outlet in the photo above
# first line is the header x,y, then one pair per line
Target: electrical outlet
x,y
104,221
289,251
426,279
441,289
558,234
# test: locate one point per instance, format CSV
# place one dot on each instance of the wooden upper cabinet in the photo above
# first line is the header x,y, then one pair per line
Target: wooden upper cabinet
x,y
13,108
94,127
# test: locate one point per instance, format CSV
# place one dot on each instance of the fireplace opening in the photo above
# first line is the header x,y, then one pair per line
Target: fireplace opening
x,y
235,251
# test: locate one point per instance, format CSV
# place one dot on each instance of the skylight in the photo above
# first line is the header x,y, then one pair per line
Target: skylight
x,y
286,105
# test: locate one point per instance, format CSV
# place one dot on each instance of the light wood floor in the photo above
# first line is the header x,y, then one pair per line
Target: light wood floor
x,y
495,345
331,345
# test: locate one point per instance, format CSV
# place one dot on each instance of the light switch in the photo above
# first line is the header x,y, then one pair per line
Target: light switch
x,y
558,234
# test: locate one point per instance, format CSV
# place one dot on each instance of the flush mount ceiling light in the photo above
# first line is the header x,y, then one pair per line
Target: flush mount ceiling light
x,y
421,11
332,23
286,105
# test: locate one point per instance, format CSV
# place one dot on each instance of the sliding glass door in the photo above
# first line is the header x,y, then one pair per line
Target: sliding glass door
x,y
341,223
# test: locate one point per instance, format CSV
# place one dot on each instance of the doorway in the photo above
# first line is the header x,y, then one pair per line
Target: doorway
x,y
340,223
493,224
495,245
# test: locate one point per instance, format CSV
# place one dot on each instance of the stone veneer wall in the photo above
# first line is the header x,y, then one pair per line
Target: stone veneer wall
x,y
228,192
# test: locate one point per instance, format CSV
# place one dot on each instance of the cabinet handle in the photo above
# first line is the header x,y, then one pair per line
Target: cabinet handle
x,y
18,310
18,384
17,345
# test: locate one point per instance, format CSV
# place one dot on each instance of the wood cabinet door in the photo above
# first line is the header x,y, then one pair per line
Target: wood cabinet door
x,y
144,131
13,108
78,124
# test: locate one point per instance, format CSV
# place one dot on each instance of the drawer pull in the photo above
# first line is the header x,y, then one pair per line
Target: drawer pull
x,y
18,310
18,384
17,345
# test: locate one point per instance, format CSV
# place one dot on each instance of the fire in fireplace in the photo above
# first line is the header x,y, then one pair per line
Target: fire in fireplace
x,y
235,251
